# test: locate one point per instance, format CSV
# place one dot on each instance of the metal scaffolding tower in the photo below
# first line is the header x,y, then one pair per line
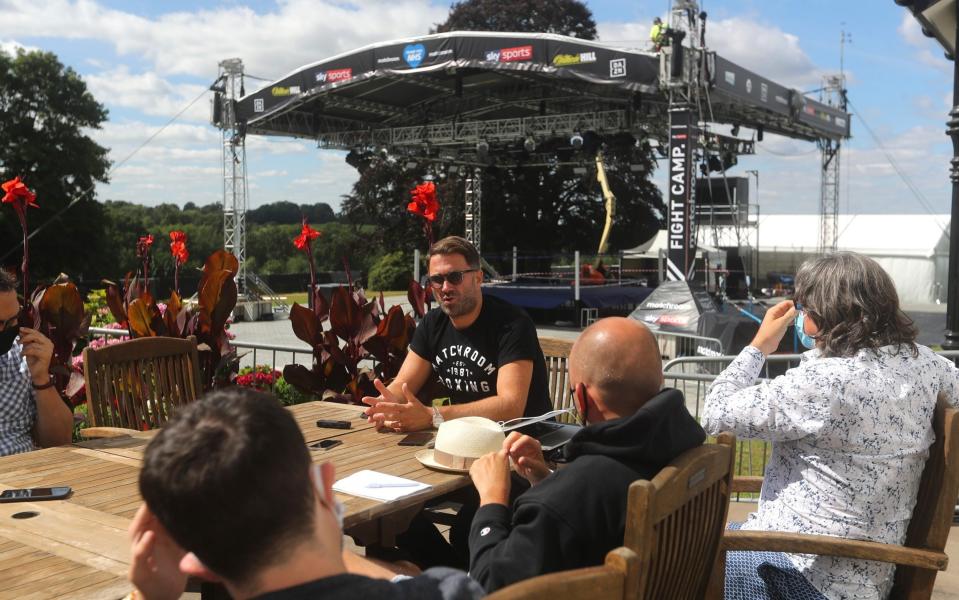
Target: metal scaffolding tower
x,y
235,188
833,93
474,208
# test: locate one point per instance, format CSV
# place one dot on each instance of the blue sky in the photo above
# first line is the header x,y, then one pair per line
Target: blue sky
x,y
146,60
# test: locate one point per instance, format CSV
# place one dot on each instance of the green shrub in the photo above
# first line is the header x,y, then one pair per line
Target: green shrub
x,y
391,272
289,395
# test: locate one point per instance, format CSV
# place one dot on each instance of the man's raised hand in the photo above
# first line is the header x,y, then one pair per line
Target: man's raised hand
x,y
408,414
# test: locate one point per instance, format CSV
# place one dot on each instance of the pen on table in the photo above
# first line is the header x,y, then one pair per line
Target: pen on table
x,y
391,485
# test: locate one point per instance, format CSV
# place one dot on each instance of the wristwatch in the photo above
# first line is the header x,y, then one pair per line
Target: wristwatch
x,y
437,417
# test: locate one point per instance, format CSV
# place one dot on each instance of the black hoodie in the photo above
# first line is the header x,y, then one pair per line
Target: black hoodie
x,y
575,516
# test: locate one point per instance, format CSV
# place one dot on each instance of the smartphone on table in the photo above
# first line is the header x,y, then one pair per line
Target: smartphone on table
x,y
326,444
34,494
419,438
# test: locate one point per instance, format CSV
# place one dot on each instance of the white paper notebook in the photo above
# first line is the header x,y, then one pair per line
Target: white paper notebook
x,y
379,486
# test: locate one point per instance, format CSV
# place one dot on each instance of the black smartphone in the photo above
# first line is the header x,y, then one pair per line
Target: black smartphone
x,y
326,444
333,424
32,494
420,438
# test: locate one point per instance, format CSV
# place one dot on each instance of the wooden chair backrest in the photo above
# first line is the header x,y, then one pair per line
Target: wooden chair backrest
x,y
676,521
611,581
935,503
138,384
557,373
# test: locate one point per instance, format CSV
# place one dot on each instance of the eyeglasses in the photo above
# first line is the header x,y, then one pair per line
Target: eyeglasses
x,y
454,277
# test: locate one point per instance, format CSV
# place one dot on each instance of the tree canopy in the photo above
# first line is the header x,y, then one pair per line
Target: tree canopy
x,y
564,17
45,109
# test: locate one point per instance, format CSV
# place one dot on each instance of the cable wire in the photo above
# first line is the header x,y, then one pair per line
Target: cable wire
x,y
110,172
917,194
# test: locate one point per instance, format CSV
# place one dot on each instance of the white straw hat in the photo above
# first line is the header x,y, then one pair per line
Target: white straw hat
x,y
461,441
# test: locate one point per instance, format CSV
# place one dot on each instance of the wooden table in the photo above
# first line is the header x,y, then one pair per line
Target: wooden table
x,y
78,547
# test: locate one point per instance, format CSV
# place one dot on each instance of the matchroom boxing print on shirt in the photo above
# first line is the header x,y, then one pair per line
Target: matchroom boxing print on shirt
x,y
465,369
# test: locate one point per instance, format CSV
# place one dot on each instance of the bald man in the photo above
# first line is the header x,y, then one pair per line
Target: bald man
x,y
572,517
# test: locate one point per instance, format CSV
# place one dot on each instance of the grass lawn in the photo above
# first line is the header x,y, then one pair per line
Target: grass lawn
x,y
300,297
751,459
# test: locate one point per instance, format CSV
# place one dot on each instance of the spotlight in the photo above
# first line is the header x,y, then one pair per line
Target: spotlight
x,y
576,140
637,168
579,170
735,130
482,149
383,152
411,164
453,169
530,144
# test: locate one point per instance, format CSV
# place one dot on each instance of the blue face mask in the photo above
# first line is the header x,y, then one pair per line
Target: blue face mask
x,y
804,339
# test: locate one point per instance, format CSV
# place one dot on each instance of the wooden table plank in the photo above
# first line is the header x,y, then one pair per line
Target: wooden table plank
x,y
78,547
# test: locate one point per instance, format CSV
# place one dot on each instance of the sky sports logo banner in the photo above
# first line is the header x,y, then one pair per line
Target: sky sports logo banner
x,y
516,54
334,75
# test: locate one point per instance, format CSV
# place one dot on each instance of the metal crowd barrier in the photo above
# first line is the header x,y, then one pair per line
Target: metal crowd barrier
x,y
678,345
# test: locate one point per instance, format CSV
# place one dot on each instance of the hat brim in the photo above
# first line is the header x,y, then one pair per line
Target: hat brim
x,y
426,459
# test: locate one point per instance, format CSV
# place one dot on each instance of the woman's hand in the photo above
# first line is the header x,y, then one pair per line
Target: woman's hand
x,y
774,326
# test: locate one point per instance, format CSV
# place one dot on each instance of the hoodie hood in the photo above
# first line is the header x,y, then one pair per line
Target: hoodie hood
x,y
654,435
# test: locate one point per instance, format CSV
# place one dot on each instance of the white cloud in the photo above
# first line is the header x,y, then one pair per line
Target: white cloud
x,y
12,46
270,43
781,59
148,93
928,51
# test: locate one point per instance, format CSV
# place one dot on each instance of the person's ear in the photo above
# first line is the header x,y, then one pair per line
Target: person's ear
x,y
579,397
193,566
323,476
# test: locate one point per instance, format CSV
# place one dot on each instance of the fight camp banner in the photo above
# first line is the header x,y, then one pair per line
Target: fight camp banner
x,y
681,223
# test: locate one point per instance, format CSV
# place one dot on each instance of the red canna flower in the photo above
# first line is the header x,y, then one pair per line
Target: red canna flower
x,y
17,192
178,247
424,201
143,245
19,196
307,235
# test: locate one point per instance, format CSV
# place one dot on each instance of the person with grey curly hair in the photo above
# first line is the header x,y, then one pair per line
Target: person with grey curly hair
x,y
850,428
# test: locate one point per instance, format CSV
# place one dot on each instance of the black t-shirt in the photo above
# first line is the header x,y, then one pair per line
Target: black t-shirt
x,y
466,362
438,583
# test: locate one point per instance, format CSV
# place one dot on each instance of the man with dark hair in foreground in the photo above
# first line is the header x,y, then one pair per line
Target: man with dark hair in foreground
x,y
572,517
232,495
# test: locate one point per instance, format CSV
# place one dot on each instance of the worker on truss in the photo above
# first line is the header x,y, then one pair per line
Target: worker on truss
x,y
658,34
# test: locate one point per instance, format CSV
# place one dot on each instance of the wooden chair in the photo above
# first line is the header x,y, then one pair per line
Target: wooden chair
x,y
612,581
919,559
139,384
557,373
675,522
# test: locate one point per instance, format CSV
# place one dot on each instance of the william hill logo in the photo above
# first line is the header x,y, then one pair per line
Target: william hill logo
x,y
280,92
565,60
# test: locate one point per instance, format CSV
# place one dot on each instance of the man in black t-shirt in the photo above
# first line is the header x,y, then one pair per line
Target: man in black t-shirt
x,y
483,350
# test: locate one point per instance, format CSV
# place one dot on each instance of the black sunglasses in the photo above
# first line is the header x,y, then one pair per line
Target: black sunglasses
x,y
454,277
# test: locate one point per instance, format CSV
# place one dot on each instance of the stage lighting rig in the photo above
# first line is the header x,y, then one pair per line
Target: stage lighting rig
x,y
576,140
529,144
482,149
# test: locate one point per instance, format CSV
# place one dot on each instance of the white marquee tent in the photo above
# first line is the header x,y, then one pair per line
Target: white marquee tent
x,y
914,249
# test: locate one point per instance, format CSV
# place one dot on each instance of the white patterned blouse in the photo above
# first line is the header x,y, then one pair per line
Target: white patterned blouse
x,y
850,440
